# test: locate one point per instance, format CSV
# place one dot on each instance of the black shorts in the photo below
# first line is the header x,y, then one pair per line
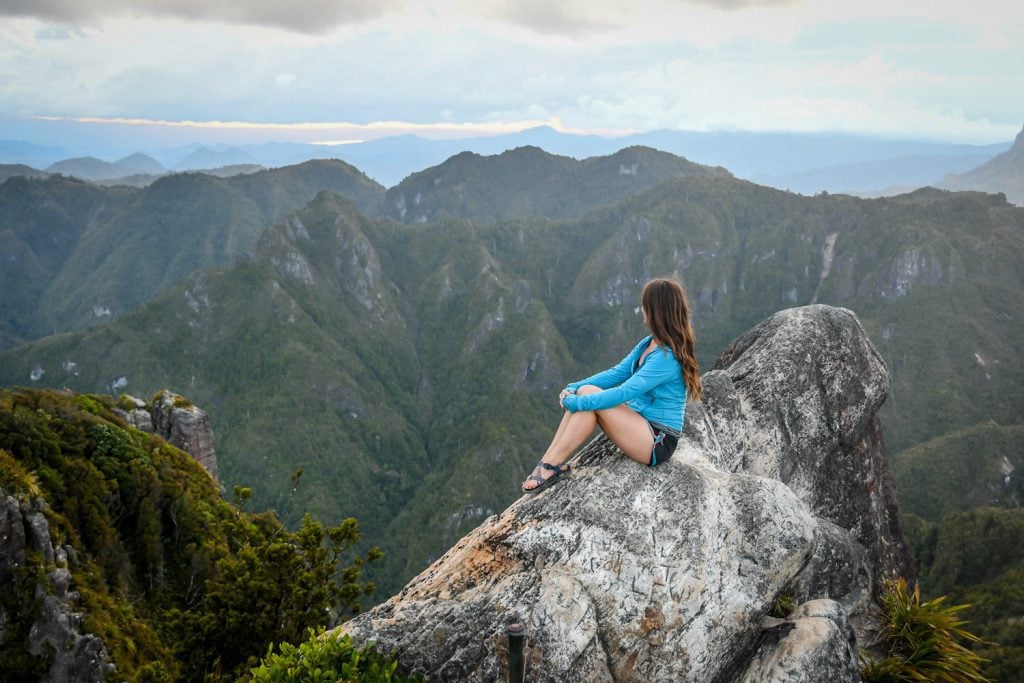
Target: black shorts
x,y
664,445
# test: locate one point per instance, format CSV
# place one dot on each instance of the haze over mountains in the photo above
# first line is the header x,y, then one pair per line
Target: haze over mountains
x,y
1003,173
802,162
410,367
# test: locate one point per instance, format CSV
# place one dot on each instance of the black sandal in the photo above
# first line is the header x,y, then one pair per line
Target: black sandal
x,y
558,470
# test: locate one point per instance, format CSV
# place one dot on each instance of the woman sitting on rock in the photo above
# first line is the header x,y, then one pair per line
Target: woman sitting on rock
x,y
639,403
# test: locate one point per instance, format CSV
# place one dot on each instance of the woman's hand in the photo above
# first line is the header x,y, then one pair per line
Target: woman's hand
x,y
562,395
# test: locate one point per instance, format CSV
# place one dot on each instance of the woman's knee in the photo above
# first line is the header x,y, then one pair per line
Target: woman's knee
x,y
587,389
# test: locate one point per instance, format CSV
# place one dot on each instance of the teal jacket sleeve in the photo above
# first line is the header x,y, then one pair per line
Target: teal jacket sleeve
x,y
615,375
659,367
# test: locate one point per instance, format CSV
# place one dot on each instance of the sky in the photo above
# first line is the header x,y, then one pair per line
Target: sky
x,y
336,71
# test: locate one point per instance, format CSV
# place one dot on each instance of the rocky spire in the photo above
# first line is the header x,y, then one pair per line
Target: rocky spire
x,y
180,423
780,487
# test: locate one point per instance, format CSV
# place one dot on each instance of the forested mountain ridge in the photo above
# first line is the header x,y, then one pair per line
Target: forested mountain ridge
x,y
119,560
411,370
528,182
142,241
139,241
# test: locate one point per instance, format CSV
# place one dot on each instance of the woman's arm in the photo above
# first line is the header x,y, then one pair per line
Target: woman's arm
x,y
614,375
660,367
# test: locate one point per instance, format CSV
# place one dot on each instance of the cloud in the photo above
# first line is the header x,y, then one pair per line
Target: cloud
x,y
549,18
659,64
301,16
56,33
284,80
741,4
336,132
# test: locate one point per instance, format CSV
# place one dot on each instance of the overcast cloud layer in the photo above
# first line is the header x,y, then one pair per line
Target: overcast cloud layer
x,y
918,68
308,16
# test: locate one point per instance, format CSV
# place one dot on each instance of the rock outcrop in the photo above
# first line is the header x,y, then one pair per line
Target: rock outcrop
x,y
814,643
180,423
779,487
55,633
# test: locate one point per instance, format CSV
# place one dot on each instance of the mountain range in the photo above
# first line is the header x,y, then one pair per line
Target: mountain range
x,y
803,162
78,253
410,368
91,168
528,182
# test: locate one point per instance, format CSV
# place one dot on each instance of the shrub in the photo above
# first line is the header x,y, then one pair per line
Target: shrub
x,y
783,606
16,479
179,584
267,592
327,658
923,640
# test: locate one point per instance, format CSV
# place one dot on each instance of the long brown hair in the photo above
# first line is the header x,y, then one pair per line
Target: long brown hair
x,y
668,317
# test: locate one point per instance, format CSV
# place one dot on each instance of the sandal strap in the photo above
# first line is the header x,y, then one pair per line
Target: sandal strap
x,y
561,467
537,477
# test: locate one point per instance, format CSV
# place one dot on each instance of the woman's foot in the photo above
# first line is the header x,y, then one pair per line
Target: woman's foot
x,y
537,481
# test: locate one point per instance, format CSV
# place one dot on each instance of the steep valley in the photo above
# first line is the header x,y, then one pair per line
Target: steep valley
x,y
411,370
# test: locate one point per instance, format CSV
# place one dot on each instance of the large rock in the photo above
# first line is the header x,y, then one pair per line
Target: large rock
x,y
796,399
180,423
779,488
814,643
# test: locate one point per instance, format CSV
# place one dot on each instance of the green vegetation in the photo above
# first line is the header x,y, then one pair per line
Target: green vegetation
x,y
979,466
783,606
976,556
177,583
140,241
528,182
412,369
924,641
326,658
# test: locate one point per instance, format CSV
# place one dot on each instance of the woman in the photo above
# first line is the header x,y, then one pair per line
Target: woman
x,y
640,402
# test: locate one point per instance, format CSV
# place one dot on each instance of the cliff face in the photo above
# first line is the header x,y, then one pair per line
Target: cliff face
x,y
180,423
780,487
55,631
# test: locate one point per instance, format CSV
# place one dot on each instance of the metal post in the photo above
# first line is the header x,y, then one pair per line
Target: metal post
x,y
516,663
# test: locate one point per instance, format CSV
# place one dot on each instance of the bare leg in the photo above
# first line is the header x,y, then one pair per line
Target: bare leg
x,y
578,429
574,430
566,417
629,431
624,426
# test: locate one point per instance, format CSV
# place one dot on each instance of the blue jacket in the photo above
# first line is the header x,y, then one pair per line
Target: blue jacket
x,y
655,389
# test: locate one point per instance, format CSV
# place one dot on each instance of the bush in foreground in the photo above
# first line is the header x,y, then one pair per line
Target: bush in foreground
x,y
327,658
923,639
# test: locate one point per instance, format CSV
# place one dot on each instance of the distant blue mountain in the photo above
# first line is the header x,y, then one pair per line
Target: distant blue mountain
x,y
206,157
140,163
749,155
770,158
802,162
888,176
36,156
